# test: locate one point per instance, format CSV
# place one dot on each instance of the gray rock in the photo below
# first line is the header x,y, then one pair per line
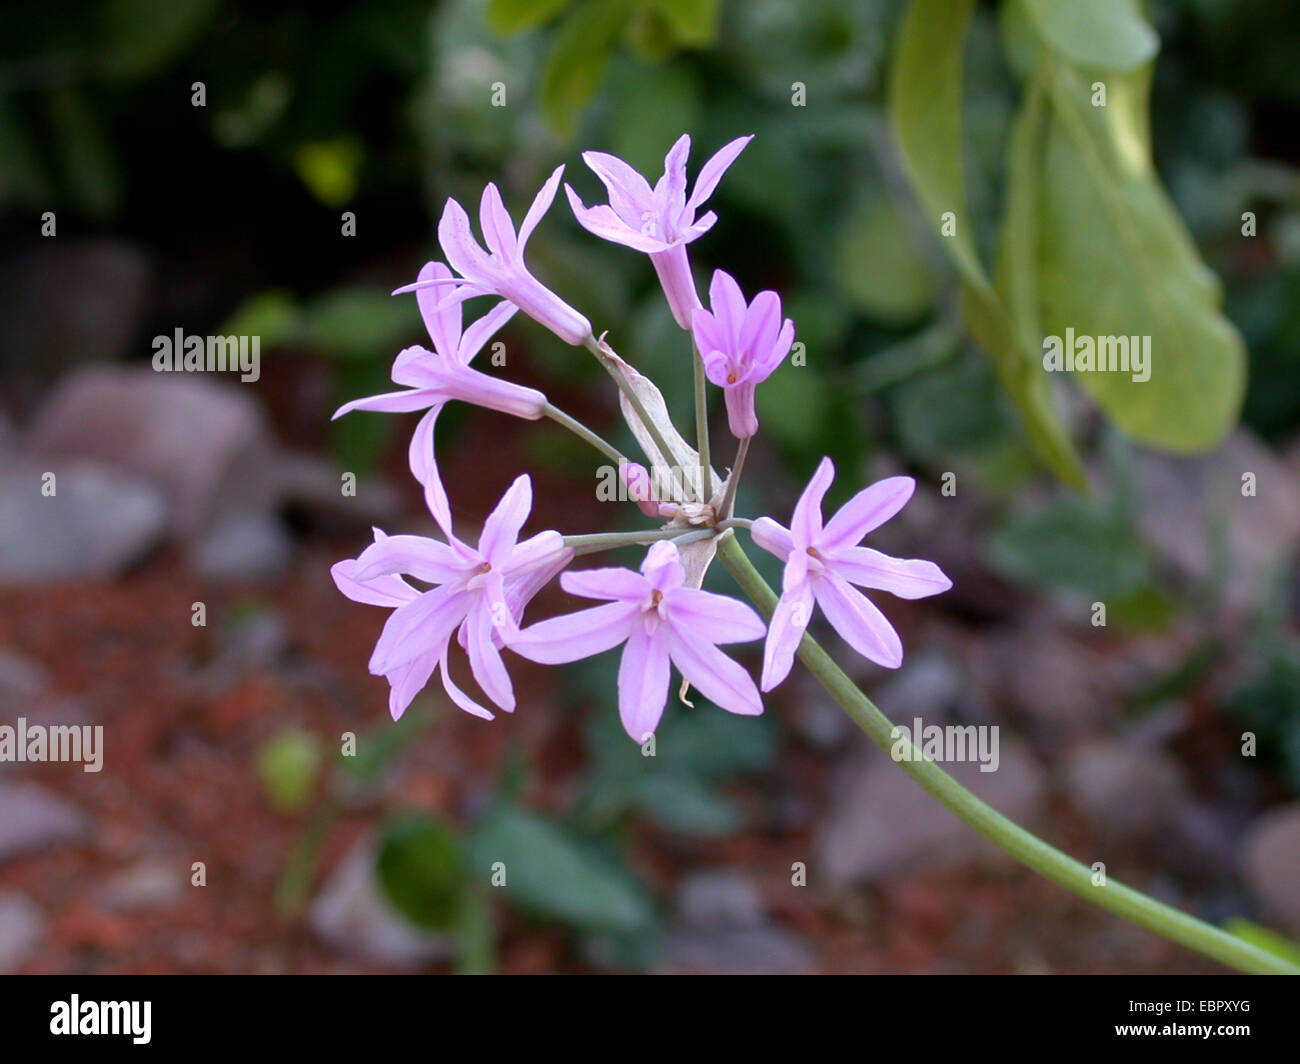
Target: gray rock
x,y
96,524
882,824
21,926
246,546
33,819
719,899
351,915
1270,863
203,443
1128,791
767,950
1185,501
151,884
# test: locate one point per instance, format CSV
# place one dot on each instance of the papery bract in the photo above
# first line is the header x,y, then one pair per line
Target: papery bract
x,y
822,562
480,595
661,621
741,345
661,220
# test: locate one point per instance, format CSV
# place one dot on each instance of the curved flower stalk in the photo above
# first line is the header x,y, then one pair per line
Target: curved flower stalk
x,y
659,614
661,220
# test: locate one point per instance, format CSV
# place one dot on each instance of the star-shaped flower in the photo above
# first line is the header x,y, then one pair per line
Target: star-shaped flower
x,y
822,562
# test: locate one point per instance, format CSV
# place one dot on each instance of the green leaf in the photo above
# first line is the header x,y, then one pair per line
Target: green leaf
x,y
271,315
1116,261
1111,34
87,161
361,323
140,37
925,106
578,59
880,268
685,804
694,22
511,16
420,871
552,873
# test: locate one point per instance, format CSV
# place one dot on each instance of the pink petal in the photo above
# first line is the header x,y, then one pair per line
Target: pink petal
x,y
420,625
501,529
423,558
603,222
728,309
458,696
673,268
481,331
408,681
608,583
424,468
712,171
545,550
629,193
742,419
540,205
772,537
573,636
443,321
498,229
485,660
662,567
762,324
458,244
806,524
767,360
402,402
858,621
389,590
717,677
908,578
784,633
643,683
866,511
713,618
672,186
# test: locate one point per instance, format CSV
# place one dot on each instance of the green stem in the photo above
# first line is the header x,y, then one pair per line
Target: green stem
x,y
1009,836
597,541
733,479
579,429
702,424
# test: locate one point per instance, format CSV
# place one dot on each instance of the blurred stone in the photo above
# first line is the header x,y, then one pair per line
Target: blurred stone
x,y
96,524
766,950
312,485
247,546
1128,791
926,685
21,681
1185,501
881,824
33,819
152,884
352,916
1270,863
21,926
719,899
72,300
204,444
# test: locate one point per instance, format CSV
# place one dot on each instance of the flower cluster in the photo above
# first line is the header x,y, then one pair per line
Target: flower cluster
x,y
659,614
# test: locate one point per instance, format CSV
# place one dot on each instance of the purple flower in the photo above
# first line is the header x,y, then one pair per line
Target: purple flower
x,y
741,346
660,221
479,596
821,562
500,270
661,621
435,377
